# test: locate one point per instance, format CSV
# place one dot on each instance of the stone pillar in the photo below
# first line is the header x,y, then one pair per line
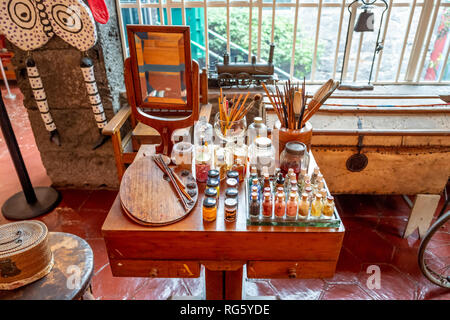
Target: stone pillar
x,y
74,163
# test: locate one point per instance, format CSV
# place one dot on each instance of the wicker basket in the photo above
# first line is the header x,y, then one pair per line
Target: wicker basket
x,y
25,255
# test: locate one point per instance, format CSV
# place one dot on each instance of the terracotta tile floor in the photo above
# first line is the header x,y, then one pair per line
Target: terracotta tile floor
x,y
374,225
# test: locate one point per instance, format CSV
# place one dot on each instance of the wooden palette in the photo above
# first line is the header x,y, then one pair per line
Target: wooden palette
x,y
148,198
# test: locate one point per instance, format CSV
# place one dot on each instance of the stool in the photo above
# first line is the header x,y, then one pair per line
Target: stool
x,y
70,276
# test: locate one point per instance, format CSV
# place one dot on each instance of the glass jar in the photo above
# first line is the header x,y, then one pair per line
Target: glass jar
x,y
202,161
231,193
203,131
256,129
328,207
213,174
230,209
293,157
262,153
209,210
233,175
314,175
182,155
211,193
232,183
214,183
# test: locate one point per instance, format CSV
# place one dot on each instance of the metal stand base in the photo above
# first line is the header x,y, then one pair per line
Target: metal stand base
x,y
17,207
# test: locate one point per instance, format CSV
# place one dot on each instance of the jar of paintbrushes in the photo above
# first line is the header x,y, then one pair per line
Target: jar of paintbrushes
x,y
293,110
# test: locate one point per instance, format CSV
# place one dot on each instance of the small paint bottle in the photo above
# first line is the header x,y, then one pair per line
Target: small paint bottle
x,y
303,206
239,167
328,207
231,183
267,205
280,205
209,209
211,193
255,206
230,209
233,175
314,175
291,207
214,183
316,206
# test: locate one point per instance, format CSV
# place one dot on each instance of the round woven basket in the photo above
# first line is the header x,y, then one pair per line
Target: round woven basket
x,y
25,255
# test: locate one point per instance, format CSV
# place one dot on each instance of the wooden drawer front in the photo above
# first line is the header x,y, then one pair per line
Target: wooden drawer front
x,y
290,269
155,268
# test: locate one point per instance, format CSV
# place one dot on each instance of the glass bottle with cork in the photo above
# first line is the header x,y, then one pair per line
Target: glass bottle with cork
x,y
280,205
316,206
292,206
303,206
328,207
267,205
255,206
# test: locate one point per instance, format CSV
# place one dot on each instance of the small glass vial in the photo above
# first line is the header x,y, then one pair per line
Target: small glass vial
x,y
230,209
202,160
209,209
287,179
280,206
267,205
266,183
316,206
314,175
294,190
279,181
309,192
303,206
256,129
280,190
255,183
291,206
220,162
267,189
214,183
211,193
239,167
240,151
328,207
255,206
323,193
234,175
232,183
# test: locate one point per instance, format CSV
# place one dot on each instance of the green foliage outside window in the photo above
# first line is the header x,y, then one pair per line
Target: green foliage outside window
x,y
284,26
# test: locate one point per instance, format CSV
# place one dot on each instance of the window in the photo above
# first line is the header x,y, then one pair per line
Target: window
x,y
310,36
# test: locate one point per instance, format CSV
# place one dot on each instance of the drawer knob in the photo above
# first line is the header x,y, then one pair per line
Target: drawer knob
x,y
154,272
292,273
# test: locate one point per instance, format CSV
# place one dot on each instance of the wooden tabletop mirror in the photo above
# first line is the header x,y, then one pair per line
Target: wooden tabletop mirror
x,y
161,79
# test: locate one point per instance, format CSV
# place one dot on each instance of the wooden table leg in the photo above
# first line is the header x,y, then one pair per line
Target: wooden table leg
x,y
233,284
222,285
214,283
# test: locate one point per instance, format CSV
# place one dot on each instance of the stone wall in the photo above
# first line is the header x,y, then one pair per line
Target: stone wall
x,y
74,163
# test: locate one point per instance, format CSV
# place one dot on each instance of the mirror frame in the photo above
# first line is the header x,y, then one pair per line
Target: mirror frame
x,y
184,30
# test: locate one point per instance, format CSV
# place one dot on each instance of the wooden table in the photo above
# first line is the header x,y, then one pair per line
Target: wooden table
x,y
178,250
74,265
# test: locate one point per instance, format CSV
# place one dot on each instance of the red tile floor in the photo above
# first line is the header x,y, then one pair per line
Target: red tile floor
x,y
374,225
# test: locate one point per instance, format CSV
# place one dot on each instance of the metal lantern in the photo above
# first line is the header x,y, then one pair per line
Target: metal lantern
x,y
364,23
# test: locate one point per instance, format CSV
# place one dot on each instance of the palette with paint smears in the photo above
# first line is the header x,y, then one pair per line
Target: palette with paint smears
x,y
148,198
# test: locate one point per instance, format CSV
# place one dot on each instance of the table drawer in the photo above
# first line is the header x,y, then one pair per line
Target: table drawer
x,y
290,269
155,268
